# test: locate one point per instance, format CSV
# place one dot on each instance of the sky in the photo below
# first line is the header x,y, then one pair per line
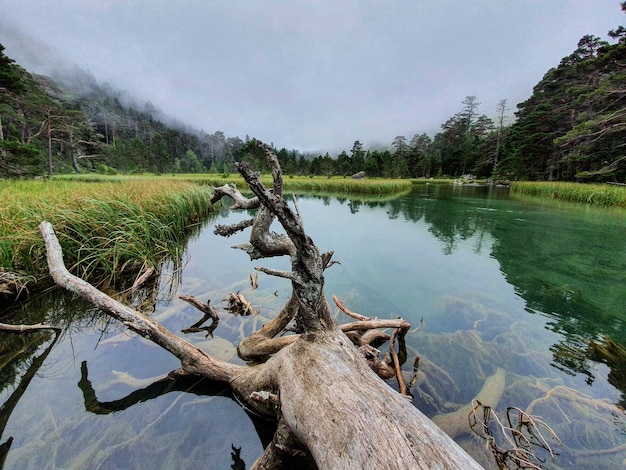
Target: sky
x,y
308,75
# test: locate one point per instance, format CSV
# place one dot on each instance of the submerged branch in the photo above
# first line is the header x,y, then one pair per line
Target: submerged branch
x,y
19,329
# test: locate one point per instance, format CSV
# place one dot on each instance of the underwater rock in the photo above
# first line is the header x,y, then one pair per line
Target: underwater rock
x,y
456,423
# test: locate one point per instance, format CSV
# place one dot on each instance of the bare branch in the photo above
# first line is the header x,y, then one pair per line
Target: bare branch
x,y
192,359
203,307
228,230
230,190
278,273
399,323
396,363
349,312
19,329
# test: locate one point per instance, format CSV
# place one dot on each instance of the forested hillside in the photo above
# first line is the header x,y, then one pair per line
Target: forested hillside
x,y
574,124
46,127
573,127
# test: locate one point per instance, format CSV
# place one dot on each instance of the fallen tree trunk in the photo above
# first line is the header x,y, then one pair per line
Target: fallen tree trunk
x,y
333,411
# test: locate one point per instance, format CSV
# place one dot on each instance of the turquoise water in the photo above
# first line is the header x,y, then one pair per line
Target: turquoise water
x,y
502,283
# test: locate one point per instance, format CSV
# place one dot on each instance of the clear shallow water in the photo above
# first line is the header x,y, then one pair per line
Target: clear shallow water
x,y
517,284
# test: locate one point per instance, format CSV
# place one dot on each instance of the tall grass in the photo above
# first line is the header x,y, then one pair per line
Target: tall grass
x,y
346,185
333,184
593,194
105,229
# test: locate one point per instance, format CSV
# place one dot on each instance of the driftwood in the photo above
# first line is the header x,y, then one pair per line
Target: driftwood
x,y
19,329
333,411
205,308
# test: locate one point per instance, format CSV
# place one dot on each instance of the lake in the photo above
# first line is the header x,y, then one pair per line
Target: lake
x,y
530,289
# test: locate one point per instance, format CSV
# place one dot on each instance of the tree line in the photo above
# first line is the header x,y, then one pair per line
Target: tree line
x,y
572,127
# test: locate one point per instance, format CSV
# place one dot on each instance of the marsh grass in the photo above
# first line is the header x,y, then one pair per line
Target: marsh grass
x,y
334,184
592,194
107,230
347,185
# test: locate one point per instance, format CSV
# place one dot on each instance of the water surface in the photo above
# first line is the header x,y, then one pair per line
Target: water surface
x,y
502,283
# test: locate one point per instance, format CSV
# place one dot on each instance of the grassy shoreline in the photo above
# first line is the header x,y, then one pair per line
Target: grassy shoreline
x,y
107,230
587,193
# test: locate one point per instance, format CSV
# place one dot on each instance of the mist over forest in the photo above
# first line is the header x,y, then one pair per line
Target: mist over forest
x,y
572,127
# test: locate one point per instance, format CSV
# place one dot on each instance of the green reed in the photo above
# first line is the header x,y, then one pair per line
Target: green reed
x,y
592,194
107,230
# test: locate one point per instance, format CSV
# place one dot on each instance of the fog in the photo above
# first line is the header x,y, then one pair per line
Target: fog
x,y
313,76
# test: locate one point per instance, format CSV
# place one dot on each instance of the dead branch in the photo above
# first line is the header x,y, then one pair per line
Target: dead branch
x,y
230,190
19,329
396,363
400,323
279,273
228,230
347,311
261,344
192,359
521,436
147,274
203,307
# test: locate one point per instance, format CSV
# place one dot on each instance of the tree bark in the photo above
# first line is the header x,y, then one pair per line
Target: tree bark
x,y
334,411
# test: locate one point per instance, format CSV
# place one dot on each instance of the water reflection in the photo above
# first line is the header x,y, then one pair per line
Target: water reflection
x,y
574,276
24,352
556,325
506,287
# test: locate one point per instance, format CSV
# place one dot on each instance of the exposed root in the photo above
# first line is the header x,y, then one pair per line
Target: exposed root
x,y
396,363
522,434
381,367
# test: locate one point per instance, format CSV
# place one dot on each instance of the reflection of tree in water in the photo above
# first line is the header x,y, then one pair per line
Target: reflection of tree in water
x,y
19,353
557,276
174,382
451,219
573,286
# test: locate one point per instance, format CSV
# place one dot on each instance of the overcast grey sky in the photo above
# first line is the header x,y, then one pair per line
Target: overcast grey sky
x,y
311,75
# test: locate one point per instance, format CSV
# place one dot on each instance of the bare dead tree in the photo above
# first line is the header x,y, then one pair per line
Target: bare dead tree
x,y
333,411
